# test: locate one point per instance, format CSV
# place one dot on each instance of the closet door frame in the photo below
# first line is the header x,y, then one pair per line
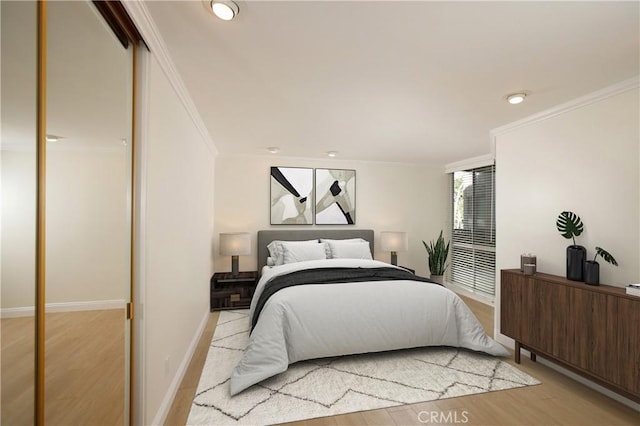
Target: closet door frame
x,y
125,30
41,194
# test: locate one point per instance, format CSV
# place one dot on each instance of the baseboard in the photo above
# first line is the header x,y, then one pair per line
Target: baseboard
x,y
165,406
91,305
471,295
510,343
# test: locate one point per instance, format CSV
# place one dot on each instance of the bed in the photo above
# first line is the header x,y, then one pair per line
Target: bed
x,y
316,312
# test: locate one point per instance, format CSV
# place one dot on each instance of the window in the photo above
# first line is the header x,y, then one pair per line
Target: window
x,y
473,254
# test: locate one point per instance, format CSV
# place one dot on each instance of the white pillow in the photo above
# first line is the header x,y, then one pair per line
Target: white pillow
x,y
346,240
299,252
275,250
350,250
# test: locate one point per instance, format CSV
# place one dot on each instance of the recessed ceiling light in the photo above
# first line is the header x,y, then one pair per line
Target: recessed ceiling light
x,y
332,153
516,98
273,149
225,10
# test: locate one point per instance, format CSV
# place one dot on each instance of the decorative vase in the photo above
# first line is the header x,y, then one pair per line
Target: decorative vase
x,y
437,278
591,272
576,255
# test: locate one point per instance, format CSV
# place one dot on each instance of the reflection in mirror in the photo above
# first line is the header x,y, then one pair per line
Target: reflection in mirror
x,y
87,218
18,189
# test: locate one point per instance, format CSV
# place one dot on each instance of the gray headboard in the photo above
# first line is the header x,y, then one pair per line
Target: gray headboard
x,y
265,237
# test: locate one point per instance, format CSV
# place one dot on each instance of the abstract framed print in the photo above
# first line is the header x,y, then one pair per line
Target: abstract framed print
x,y
291,196
335,197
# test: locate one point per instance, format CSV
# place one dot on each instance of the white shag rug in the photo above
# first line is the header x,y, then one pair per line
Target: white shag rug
x,y
331,386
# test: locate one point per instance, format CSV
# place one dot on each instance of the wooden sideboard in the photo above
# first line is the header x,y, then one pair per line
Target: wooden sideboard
x,y
593,331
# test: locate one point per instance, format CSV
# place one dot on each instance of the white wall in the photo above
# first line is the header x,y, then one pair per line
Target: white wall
x,y
86,226
585,160
177,242
18,280
389,197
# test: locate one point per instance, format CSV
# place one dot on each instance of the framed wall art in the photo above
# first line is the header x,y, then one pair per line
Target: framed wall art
x,y
335,197
291,196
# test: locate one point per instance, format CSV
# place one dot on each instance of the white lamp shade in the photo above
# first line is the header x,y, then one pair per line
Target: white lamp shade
x,y
394,241
235,244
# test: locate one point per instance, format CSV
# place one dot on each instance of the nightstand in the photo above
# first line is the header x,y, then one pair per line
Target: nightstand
x,y
232,292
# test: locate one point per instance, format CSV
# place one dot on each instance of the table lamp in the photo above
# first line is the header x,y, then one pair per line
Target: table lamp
x,y
394,242
235,244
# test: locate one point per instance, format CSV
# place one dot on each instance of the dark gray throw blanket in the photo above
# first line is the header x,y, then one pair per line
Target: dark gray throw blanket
x,y
330,276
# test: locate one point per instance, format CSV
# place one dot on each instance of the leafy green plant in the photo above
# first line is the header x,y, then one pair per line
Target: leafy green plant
x,y
438,252
570,225
606,256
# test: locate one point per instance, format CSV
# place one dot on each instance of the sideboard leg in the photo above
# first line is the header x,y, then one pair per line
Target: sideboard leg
x,y
533,357
517,353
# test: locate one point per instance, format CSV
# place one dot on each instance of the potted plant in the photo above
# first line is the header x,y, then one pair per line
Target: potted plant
x,y
570,226
592,268
437,253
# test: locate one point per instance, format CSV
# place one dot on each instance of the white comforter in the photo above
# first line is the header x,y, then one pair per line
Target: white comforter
x,y
325,320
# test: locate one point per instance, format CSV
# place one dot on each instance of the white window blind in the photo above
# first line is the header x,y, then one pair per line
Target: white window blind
x,y
473,255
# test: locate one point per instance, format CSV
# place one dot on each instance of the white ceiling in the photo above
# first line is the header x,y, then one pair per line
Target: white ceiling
x,y
393,81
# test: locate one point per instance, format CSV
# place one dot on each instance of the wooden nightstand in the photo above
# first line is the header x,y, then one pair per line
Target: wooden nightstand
x,y
229,292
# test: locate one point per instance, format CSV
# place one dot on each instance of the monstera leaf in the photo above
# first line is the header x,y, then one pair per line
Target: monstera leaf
x,y
570,225
605,255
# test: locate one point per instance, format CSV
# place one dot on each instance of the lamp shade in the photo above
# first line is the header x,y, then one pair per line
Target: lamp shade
x,y
394,241
235,243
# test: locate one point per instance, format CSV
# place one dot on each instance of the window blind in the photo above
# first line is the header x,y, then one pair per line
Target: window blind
x,y
473,255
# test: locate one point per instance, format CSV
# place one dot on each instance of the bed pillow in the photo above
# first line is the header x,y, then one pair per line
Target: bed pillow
x,y
302,251
349,250
275,251
346,240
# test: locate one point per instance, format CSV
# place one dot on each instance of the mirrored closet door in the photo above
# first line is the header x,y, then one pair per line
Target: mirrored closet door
x,y
67,160
88,226
18,194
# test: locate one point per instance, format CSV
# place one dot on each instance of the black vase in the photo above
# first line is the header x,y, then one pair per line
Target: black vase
x,y
591,272
576,255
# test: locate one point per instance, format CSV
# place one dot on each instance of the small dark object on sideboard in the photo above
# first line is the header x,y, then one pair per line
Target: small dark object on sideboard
x,y
592,268
576,255
570,226
591,272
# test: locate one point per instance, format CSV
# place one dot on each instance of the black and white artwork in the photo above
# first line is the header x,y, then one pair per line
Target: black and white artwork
x,y
336,197
291,196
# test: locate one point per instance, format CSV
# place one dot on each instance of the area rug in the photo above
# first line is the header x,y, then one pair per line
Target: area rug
x,y
331,386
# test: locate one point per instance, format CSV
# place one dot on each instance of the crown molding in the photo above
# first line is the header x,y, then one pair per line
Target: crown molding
x,y
140,15
470,163
591,98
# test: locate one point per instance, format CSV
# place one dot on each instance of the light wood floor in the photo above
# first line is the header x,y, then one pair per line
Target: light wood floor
x,y
557,401
84,368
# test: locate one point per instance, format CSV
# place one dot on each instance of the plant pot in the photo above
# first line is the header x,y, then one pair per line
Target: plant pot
x,y
437,278
576,255
591,272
